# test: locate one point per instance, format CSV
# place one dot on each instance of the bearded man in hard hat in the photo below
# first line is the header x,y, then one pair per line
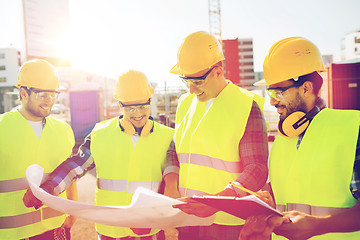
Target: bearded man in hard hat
x,y
220,137
315,162
30,136
129,151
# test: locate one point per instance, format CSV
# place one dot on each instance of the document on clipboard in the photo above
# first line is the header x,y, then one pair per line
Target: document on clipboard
x,y
243,207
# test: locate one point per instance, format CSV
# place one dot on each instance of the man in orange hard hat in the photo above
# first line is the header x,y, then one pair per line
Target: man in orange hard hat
x,y
220,137
129,151
29,135
315,162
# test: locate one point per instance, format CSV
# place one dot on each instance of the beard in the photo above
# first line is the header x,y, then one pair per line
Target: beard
x,y
38,111
297,105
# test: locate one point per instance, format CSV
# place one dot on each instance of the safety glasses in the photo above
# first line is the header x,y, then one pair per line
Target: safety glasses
x,y
44,95
133,107
196,81
278,93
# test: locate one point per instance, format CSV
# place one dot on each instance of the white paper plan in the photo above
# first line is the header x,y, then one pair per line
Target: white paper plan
x,y
147,209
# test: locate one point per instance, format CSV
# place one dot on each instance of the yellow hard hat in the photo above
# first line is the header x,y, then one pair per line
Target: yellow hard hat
x,y
133,86
290,58
198,51
38,73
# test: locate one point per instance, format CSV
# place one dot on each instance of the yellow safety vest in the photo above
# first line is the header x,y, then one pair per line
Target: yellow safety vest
x,y
207,143
19,148
121,167
315,178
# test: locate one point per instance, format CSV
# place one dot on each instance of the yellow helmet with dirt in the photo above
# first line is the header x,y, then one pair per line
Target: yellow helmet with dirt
x,y
197,52
133,86
39,74
290,58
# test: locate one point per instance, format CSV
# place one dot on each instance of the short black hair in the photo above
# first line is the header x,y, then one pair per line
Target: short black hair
x,y
314,78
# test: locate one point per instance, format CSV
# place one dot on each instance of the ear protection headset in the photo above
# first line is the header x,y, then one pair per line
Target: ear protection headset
x,y
296,123
127,127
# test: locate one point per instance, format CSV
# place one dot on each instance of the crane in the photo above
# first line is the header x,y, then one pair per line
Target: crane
x,y
215,18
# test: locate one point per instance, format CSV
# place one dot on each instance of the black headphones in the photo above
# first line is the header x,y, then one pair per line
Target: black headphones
x,y
296,123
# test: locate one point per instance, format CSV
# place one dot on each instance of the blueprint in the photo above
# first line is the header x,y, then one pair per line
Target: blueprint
x,y
147,209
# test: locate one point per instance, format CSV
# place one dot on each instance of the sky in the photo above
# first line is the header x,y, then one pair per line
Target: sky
x,y
109,37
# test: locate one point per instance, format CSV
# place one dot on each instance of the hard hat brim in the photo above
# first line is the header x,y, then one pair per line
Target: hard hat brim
x,y
261,83
176,70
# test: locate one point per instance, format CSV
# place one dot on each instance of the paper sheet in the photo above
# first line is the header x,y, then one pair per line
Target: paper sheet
x,y
147,209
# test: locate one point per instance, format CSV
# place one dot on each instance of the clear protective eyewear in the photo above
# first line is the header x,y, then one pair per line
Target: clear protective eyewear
x,y
133,107
44,95
196,81
278,93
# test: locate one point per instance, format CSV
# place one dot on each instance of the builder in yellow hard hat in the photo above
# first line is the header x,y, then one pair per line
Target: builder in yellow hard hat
x,y
315,162
29,135
127,151
220,137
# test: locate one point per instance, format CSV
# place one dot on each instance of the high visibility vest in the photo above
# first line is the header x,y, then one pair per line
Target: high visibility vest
x,y
207,143
19,148
121,167
315,178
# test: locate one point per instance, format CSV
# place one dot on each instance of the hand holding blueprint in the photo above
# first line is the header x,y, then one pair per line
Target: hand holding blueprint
x,y
147,209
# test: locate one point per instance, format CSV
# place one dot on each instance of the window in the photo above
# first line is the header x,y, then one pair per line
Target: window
x,y
2,68
246,63
245,50
246,42
2,55
2,79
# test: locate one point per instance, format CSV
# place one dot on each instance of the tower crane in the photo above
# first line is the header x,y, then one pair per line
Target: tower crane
x,y
215,18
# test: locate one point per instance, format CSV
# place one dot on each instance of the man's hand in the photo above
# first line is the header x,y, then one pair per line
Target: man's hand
x,y
303,226
30,200
260,227
267,198
68,223
198,209
141,231
195,208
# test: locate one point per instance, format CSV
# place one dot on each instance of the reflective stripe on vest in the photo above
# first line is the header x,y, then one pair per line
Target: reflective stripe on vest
x,y
13,185
121,185
207,161
308,209
28,218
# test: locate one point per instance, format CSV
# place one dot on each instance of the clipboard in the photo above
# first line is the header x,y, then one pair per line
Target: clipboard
x,y
243,207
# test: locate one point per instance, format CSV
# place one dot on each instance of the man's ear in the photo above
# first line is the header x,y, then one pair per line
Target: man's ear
x,y
23,94
308,88
219,71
